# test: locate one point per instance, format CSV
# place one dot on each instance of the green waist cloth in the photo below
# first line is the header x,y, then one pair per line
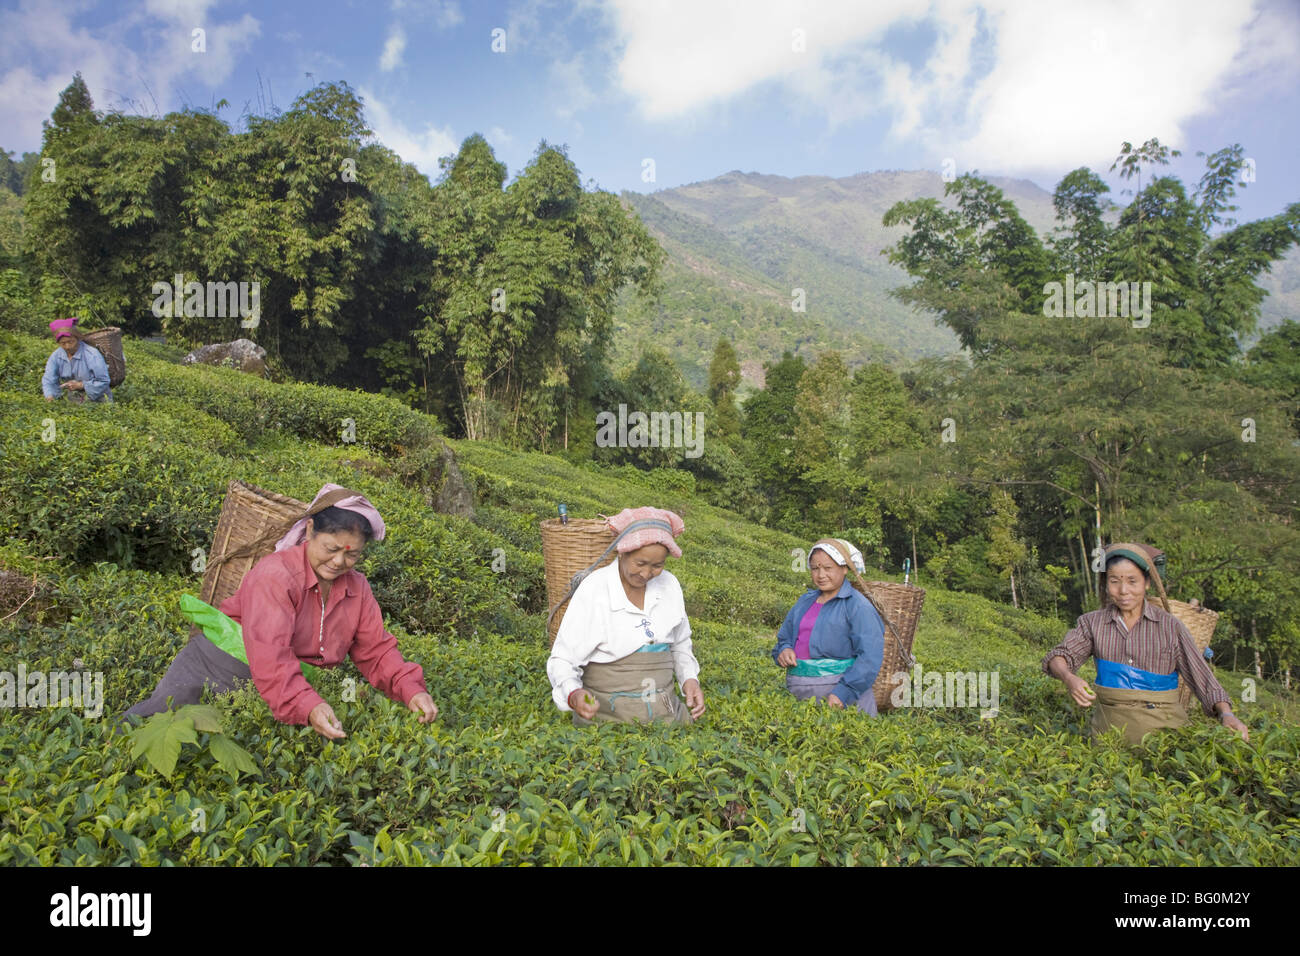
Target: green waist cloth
x,y
821,666
1139,712
226,632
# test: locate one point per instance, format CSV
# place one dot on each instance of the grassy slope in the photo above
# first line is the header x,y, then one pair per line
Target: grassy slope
x,y
916,786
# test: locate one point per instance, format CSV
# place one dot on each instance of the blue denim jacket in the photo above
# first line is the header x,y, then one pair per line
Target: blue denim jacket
x,y
86,365
847,627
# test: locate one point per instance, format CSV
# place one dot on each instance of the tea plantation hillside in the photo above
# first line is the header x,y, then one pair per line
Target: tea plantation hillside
x,y
104,510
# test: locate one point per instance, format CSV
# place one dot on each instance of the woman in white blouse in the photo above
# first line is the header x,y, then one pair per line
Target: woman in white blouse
x,y
625,636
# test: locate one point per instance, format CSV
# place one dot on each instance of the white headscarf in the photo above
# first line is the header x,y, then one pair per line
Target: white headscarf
x,y
854,554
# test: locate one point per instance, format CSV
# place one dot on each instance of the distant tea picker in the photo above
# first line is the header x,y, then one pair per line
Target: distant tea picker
x,y
624,636
303,603
75,369
1142,652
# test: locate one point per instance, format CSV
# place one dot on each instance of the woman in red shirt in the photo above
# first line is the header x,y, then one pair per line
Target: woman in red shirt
x,y
303,603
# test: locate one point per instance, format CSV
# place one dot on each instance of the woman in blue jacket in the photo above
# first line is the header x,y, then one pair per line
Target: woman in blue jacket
x,y
76,368
832,641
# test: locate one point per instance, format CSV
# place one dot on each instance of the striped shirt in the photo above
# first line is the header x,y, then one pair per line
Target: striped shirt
x,y
1158,643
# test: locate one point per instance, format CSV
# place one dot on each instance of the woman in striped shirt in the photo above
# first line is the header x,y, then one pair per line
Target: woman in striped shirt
x,y
1142,652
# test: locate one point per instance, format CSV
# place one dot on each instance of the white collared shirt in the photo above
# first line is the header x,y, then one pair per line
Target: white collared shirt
x,y
602,625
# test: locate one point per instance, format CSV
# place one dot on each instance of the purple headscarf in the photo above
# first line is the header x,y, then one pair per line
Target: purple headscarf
x,y
358,503
61,327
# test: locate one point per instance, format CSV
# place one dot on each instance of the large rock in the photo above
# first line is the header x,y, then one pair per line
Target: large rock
x,y
242,354
454,496
433,472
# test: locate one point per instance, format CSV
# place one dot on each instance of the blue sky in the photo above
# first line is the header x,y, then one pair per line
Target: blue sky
x,y
822,87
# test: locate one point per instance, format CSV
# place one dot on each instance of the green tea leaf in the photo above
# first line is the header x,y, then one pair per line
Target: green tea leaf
x,y
231,757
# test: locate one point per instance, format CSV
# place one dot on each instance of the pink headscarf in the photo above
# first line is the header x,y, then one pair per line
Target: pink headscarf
x,y
358,503
61,327
652,534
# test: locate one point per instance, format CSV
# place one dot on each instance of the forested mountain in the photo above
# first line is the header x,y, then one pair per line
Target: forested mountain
x,y
738,245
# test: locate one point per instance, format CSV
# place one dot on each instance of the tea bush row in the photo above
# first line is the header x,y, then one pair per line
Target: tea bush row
x,y
249,405
504,778
129,485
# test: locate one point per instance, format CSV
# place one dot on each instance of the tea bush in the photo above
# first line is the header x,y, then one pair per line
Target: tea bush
x,y
248,405
502,776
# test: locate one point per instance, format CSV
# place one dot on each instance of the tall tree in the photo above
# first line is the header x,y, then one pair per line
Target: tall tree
x,y
1007,552
724,379
528,286
973,264
770,429
1082,242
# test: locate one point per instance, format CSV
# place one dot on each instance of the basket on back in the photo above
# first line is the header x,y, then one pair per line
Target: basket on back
x,y
108,341
900,608
1200,623
566,550
248,514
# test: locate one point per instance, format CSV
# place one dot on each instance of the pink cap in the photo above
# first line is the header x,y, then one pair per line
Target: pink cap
x,y
62,327
358,503
656,526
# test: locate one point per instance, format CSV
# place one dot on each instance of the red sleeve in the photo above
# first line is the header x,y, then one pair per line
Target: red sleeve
x,y
375,653
268,618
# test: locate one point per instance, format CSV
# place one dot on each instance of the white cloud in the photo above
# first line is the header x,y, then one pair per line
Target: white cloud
x,y
192,12
391,58
524,26
45,51
569,87
1009,84
424,149
499,137
444,13
680,55
1071,84
43,43
225,43
447,14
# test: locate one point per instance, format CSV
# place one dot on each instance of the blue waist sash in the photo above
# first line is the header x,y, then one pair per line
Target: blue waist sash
x,y
1111,674
651,648
820,666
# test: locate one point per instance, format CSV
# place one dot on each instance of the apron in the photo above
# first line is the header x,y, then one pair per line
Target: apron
x,y
1136,700
635,689
819,676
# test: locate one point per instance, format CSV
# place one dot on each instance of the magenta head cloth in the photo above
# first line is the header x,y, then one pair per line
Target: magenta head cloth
x,y
62,327
666,527
358,503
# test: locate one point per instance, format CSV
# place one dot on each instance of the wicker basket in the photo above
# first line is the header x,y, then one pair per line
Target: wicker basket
x,y
1200,623
109,343
900,606
247,514
566,550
